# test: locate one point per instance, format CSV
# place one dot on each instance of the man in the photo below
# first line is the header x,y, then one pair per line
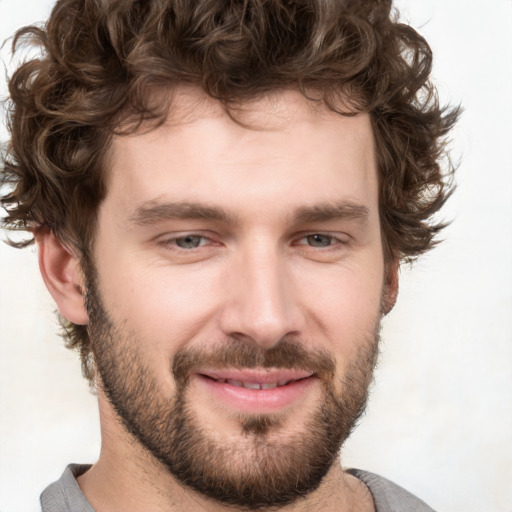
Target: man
x,y
221,195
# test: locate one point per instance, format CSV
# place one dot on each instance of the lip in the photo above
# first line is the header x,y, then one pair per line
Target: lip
x,y
293,385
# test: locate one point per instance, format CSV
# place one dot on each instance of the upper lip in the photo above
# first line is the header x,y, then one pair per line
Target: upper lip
x,y
280,376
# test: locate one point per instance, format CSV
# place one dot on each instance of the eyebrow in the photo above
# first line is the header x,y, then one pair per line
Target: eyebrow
x,y
152,212
346,210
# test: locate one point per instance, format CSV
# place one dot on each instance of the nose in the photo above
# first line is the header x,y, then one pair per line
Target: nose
x,y
262,303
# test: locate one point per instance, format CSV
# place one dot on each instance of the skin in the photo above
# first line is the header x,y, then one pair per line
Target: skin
x,y
258,274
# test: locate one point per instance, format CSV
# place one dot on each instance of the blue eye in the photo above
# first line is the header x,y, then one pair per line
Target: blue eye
x,y
318,240
190,241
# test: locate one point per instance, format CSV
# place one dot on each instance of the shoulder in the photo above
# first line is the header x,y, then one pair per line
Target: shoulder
x,y
65,494
388,496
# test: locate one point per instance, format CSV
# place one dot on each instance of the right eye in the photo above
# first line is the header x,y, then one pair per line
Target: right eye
x,y
188,241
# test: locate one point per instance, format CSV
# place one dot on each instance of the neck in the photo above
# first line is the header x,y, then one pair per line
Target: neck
x,y
127,477
118,485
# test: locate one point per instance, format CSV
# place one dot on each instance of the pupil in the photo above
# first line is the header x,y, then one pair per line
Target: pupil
x,y
319,240
188,242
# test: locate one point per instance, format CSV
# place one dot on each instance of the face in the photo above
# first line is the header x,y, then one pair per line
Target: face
x,y
236,292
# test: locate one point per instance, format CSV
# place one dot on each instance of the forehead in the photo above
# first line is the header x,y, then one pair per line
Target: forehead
x,y
279,113
281,147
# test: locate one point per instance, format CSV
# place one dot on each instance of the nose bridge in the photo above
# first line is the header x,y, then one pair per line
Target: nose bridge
x,y
262,305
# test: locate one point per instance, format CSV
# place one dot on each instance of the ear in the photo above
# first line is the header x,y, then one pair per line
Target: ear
x,y
390,286
63,277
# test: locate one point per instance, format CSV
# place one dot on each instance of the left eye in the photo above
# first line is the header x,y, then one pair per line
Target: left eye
x,y
318,240
190,241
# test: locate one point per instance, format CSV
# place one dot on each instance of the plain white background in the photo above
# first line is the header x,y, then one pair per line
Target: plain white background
x,y
440,417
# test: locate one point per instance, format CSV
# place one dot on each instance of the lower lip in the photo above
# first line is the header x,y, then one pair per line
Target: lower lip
x,y
257,401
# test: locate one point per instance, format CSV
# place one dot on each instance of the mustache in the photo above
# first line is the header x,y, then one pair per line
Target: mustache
x,y
287,353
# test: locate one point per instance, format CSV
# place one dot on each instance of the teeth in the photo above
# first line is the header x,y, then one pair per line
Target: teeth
x,y
253,385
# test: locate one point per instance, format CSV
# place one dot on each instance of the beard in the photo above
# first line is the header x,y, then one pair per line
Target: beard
x,y
265,464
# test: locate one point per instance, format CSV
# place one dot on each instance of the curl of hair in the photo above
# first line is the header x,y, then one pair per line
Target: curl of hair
x,y
99,57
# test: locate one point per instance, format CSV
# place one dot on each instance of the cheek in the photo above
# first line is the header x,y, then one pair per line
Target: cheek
x,y
347,320
344,306
165,305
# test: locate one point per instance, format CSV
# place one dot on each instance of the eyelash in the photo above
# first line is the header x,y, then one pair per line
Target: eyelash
x,y
171,243
333,240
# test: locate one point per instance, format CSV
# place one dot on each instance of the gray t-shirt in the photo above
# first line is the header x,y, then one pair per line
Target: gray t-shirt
x,y
65,495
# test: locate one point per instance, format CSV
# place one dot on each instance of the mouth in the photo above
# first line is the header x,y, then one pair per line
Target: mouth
x,y
256,391
254,385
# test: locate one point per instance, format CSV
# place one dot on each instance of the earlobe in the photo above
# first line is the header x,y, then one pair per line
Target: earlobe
x,y
63,277
390,286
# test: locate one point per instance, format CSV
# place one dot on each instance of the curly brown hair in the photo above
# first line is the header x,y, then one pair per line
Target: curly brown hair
x,y
99,57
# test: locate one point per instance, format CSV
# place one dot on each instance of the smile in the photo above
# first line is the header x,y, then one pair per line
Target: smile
x,y
255,385
255,391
